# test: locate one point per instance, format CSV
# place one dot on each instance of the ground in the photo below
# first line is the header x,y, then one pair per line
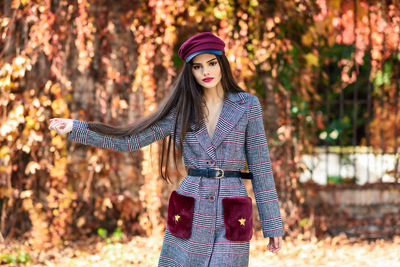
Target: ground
x,y
142,251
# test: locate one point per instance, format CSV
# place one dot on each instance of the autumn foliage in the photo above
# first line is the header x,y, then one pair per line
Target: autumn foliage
x,y
114,61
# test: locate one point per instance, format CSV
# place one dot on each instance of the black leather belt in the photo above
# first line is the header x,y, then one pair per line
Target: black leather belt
x,y
219,173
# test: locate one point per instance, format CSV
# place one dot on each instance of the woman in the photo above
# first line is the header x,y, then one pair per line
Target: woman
x,y
216,126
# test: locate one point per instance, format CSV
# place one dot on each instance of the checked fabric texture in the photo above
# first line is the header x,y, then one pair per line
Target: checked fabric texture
x,y
239,136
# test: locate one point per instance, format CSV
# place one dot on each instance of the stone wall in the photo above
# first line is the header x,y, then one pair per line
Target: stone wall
x,y
368,211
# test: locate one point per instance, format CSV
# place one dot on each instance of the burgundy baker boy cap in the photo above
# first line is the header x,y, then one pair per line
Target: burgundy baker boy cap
x,y
204,42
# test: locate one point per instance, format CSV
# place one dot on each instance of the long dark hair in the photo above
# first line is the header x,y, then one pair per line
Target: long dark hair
x,y
186,98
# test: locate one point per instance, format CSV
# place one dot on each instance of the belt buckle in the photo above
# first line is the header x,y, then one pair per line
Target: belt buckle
x,y
221,171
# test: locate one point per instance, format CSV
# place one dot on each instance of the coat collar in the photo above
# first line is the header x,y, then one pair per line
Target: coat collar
x,y
232,110
239,97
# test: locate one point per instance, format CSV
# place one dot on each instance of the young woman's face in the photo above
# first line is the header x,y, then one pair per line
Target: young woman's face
x,y
206,70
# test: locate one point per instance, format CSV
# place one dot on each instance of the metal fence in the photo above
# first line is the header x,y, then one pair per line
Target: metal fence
x,y
359,142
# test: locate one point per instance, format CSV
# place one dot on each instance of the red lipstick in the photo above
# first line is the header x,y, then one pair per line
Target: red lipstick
x,y
208,79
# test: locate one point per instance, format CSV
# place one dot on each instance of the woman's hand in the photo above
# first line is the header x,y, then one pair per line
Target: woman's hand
x,y
61,126
275,244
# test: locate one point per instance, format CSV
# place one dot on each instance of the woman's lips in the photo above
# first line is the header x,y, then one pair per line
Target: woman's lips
x,y
208,80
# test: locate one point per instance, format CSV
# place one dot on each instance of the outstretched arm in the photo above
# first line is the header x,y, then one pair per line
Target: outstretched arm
x,y
158,130
260,165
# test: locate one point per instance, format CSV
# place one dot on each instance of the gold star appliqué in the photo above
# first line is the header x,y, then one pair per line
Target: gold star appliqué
x,y
177,217
242,220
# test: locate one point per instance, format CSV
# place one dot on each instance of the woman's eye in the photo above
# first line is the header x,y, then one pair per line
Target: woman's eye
x,y
195,67
213,63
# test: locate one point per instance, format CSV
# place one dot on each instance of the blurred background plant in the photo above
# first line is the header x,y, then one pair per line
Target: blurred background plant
x,y
16,257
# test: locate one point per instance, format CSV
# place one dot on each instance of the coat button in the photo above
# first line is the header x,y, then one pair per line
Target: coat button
x,y
212,163
211,198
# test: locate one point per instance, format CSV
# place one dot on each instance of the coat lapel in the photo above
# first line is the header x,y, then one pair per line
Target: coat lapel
x,y
204,139
231,112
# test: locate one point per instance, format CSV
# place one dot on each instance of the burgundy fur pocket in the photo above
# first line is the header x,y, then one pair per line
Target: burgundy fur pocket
x,y
180,215
238,218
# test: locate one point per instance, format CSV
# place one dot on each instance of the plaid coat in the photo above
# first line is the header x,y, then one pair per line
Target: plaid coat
x,y
211,225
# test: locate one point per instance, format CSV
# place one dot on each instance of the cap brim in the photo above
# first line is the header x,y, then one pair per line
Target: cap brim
x,y
206,51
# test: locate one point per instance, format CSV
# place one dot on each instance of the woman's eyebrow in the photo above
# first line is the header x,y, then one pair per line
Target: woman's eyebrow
x,y
206,62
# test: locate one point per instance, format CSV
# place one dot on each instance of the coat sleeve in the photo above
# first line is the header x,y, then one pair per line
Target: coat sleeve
x,y
158,130
259,164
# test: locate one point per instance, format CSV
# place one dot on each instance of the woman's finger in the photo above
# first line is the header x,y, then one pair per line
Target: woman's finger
x,y
271,244
52,125
279,242
57,126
